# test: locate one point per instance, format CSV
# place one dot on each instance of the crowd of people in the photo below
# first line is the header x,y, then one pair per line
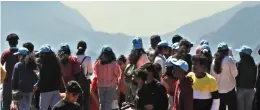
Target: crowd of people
x,y
165,77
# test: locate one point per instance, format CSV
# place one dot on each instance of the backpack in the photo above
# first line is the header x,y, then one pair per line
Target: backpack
x,y
128,73
81,78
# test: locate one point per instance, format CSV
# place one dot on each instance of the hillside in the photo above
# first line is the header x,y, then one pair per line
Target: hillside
x,y
196,29
54,23
241,29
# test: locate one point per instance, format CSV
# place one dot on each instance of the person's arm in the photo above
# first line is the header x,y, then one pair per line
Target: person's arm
x,y
164,99
233,67
15,77
75,66
3,74
215,95
89,67
188,95
117,73
3,58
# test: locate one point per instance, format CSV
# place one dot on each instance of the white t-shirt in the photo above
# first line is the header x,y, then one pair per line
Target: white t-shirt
x,y
87,64
226,79
160,59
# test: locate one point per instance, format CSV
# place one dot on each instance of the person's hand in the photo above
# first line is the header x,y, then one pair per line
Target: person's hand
x,y
149,107
35,88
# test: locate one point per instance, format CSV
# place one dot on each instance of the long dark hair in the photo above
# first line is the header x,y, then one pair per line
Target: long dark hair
x,y
29,62
82,46
64,56
219,56
135,55
247,59
50,62
107,57
209,57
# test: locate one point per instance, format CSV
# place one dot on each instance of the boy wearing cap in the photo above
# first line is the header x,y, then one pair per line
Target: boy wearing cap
x,y
246,78
73,91
9,60
205,90
183,96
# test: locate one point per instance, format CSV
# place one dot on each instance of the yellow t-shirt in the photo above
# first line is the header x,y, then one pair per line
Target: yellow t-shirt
x,y
203,87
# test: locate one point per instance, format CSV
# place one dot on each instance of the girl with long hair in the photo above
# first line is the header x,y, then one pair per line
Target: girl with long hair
x,y
24,78
50,79
161,51
136,59
107,72
225,71
246,79
69,64
86,65
138,56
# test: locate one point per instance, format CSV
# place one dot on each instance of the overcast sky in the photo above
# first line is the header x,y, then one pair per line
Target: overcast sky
x,y
145,18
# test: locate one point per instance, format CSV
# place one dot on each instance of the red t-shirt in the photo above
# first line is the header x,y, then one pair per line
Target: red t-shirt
x,y
9,59
169,87
70,69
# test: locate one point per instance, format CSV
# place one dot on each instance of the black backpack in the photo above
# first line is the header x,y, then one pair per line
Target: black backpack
x,y
129,72
81,78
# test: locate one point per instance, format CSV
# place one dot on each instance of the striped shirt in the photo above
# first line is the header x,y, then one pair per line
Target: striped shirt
x,y
204,91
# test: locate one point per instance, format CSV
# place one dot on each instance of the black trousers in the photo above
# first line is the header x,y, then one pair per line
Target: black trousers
x,y
121,100
228,99
84,100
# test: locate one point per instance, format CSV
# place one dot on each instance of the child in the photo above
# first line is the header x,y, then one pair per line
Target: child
x,y
183,97
205,90
73,91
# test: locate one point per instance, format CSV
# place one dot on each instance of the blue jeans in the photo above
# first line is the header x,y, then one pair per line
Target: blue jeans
x,y
49,99
106,97
245,98
25,102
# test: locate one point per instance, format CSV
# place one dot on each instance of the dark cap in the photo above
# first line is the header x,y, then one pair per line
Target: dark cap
x,y
176,38
186,42
74,87
12,37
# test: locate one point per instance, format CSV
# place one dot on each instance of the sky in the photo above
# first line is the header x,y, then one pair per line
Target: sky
x,y
145,18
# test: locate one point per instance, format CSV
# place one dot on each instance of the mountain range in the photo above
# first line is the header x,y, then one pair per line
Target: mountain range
x,y
54,23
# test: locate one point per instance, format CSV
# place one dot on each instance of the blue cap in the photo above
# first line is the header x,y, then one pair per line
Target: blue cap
x,y
180,63
64,47
137,43
44,49
245,49
222,46
204,47
204,42
22,51
164,43
175,45
106,48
